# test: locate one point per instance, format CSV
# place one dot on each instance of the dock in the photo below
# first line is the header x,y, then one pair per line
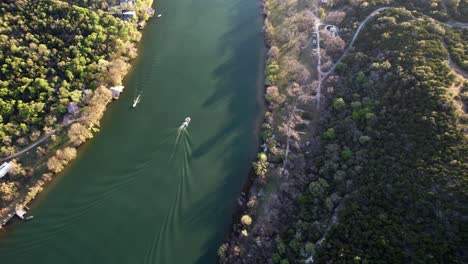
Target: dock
x,y
116,90
19,211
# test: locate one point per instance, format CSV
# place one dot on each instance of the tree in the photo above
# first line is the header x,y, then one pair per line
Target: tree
x,y
318,188
339,103
117,69
8,192
54,164
246,220
78,134
66,155
273,53
332,43
261,166
330,134
273,96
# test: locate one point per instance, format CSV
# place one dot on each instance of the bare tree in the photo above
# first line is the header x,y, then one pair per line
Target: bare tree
x,y
333,44
305,21
78,134
273,52
273,96
117,69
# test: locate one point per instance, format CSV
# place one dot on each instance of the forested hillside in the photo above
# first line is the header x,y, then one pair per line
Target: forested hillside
x,y
50,55
457,41
364,162
392,172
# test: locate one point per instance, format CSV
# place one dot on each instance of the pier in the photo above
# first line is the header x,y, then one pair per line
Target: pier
x,y
18,211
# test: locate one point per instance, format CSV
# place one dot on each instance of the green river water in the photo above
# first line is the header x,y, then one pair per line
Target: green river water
x,y
138,195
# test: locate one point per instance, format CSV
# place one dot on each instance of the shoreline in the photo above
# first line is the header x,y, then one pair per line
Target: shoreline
x,y
233,233
263,105
38,184
239,245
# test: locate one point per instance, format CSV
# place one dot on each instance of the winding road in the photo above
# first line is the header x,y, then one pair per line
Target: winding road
x,y
324,75
45,137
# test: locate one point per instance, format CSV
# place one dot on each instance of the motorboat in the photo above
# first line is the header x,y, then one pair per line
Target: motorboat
x,y
136,101
186,122
159,15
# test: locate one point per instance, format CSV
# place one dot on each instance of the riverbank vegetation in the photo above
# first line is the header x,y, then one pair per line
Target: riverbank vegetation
x,y
58,60
381,178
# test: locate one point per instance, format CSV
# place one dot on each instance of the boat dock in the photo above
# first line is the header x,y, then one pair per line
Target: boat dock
x,y
19,211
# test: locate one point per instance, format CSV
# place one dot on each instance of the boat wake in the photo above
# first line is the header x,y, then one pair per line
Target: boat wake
x,y
182,130
181,159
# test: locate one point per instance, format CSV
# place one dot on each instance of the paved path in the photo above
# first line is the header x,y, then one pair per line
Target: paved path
x,y
28,147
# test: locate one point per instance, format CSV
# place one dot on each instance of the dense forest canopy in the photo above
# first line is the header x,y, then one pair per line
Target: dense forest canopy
x,y
52,53
58,60
394,170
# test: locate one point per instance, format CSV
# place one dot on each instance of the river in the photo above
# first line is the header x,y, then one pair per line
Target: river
x,y
137,193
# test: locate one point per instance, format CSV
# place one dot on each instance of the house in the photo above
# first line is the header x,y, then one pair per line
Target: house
x,y
127,3
116,90
72,107
5,168
20,212
332,29
128,15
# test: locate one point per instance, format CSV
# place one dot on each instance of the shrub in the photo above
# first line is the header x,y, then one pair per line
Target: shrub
x,y
222,250
261,166
329,134
339,103
346,154
318,188
246,220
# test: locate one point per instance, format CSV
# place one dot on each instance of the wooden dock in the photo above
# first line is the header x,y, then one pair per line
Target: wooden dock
x,y
20,212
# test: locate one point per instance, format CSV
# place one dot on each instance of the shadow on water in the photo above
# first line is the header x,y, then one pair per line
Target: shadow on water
x,y
235,79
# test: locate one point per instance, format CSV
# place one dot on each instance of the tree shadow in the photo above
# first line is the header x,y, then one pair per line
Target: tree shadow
x,y
237,81
239,84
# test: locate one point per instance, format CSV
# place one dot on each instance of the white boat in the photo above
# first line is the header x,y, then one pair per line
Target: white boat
x,y
159,15
186,122
136,101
